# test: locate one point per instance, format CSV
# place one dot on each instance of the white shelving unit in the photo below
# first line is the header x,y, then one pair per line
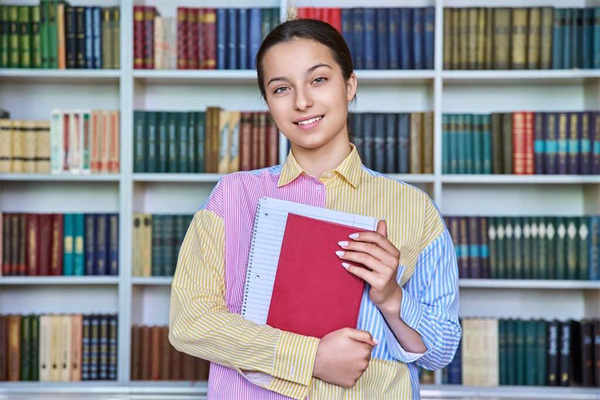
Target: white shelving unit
x,y
32,94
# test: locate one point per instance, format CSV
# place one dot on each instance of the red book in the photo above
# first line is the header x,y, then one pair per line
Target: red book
x,y
201,45
336,18
33,245
303,13
56,260
209,37
245,140
6,244
149,14
138,37
272,142
193,37
313,294
45,243
529,139
326,15
182,38
255,144
22,246
519,154
262,141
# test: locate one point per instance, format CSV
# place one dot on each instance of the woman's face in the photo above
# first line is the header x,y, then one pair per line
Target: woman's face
x,y
306,92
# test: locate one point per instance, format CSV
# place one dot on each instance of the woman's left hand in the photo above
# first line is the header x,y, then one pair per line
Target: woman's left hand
x,y
379,259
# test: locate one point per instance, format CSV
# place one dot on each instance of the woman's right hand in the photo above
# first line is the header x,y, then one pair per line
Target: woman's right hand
x,y
343,356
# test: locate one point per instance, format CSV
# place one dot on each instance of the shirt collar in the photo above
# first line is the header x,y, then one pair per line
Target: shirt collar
x,y
350,169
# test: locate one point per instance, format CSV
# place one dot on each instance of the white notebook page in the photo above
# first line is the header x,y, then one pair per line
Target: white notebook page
x,y
267,237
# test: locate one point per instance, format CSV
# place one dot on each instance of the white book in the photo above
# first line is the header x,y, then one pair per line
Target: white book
x,y
86,141
267,237
44,349
65,354
56,142
75,142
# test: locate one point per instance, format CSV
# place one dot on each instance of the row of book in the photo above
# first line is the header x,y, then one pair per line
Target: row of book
x,y
72,142
521,352
211,141
522,143
153,358
521,38
156,243
200,38
58,348
383,38
59,244
397,143
56,35
540,247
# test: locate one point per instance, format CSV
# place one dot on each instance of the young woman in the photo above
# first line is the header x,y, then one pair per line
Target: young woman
x,y
409,311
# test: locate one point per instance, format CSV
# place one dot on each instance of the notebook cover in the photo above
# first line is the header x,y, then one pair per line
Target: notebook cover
x,y
313,294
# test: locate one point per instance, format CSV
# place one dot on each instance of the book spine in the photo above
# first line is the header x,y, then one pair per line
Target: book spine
x,y
113,245
90,244
80,38
102,243
89,37
381,29
138,37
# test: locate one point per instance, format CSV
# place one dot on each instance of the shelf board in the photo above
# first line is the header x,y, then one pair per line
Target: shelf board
x,y
107,387
414,178
175,177
152,280
509,392
394,76
58,280
521,179
527,284
531,76
61,177
60,75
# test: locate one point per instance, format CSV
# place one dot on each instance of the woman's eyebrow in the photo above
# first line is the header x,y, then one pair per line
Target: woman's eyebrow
x,y
308,71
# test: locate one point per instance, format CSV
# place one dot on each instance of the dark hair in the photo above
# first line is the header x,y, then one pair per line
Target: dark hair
x,y
311,29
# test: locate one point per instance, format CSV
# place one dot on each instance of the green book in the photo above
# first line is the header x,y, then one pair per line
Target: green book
x,y
172,145
200,141
511,351
501,248
36,38
182,141
497,147
469,131
79,245
68,238
541,353
560,260
531,352
462,139
13,37
52,34
507,143
157,245
572,247
493,247
454,143
477,135
168,248
25,349
115,18
542,249
502,352
583,242
24,37
35,348
45,33
4,32
180,230
486,138
521,358
509,249
139,141
161,138
192,146
502,38
527,268
534,245
445,144
518,248
151,157
518,43
551,240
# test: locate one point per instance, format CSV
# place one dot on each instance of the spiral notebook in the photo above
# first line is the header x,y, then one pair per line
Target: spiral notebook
x,y
294,280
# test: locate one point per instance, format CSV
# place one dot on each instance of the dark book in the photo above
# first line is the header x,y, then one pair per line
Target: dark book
x,y
475,261
158,260
429,28
90,244
94,347
564,354
370,38
221,36
25,373
539,143
136,352
113,245
551,154
80,42
150,143
3,348
391,140
531,352
183,164
573,135
585,144
503,367
596,352
85,348
393,31
511,351
379,145
406,38
113,340
521,348
368,127
232,38
587,353
139,141
382,36
56,254
102,244
89,38
541,372
418,36
162,142
33,244
463,240
103,347
403,133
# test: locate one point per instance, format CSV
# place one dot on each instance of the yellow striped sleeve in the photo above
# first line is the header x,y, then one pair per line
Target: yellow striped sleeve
x,y
202,325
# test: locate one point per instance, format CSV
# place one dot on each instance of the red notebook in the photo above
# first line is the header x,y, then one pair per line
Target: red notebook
x,y
313,294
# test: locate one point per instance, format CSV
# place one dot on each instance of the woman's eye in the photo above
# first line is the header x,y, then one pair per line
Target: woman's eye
x,y
320,79
279,90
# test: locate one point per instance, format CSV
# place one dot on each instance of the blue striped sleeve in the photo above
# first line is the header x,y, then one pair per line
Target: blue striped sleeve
x,y
430,305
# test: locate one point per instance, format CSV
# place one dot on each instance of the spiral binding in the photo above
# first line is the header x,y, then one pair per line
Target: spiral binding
x,y
250,258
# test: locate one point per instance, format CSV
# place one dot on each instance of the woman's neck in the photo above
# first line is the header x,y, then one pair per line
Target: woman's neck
x,y
325,158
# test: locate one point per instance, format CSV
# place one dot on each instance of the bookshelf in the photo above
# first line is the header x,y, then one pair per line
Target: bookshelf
x,y
31,94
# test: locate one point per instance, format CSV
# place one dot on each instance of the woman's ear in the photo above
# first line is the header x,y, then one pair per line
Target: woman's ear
x,y
351,87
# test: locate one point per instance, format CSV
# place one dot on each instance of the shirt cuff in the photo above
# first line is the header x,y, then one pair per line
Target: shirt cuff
x,y
295,357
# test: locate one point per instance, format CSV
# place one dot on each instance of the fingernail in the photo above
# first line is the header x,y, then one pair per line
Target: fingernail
x,y
343,244
340,253
376,341
354,236
345,265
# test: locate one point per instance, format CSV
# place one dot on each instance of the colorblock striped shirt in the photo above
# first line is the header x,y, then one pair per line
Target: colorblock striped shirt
x,y
250,361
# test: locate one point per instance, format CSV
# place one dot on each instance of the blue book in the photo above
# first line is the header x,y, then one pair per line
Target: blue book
x,y
358,133
79,248
486,127
596,37
406,53
113,244
594,252
369,137
403,143
445,144
455,367
539,143
68,242
90,244
222,38
557,38
232,39
381,15
370,49
348,31
585,143
101,244
390,143
429,37
587,36
243,39
596,143
568,39
254,32
393,35
89,38
418,37
97,40
359,38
